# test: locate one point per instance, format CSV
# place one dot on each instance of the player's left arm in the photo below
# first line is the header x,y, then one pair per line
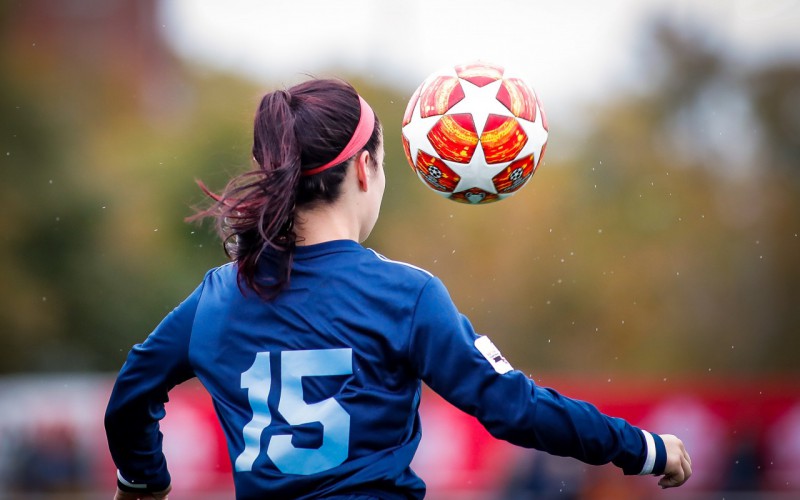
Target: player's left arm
x,y
137,401
468,371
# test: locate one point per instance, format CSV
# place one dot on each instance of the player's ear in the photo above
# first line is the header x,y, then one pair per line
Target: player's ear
x,y
362,170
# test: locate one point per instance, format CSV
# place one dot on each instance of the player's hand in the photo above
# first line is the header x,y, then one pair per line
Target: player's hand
x,y
127,495
679,465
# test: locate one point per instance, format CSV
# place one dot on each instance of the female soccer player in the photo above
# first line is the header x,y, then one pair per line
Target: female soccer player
x,y
313,348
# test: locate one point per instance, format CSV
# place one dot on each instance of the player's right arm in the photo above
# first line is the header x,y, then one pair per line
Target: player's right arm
x,y
471,374
136,404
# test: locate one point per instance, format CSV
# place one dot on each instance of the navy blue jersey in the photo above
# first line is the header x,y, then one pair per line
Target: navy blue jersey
x,y
317,390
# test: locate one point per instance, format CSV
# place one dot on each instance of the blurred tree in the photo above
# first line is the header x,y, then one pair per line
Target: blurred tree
x,y
102,133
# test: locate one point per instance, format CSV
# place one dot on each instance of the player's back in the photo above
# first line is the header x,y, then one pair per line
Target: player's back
x,y
313,388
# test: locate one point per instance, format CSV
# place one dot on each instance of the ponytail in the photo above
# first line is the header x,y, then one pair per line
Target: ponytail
x,y
295,131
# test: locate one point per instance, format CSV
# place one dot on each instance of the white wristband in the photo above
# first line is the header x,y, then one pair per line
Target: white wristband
x,y
650,461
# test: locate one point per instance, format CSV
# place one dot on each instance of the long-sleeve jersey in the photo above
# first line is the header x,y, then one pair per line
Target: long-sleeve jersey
x,y
317,390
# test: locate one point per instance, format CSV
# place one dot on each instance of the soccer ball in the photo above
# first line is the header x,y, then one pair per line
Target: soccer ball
x,y
474,133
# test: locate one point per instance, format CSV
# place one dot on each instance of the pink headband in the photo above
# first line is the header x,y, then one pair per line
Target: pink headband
x,y
364,129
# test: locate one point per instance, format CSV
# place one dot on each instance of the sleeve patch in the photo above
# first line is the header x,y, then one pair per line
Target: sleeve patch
x,y
492,354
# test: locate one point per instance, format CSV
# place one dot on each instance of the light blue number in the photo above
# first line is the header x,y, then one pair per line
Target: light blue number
x,y
257,381
329,413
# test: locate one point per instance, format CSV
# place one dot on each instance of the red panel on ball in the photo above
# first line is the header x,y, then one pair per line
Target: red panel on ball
x,y
407,151
480,74
436,173
412,103
454,137
514,176
518,98
502,139
541,155
440,95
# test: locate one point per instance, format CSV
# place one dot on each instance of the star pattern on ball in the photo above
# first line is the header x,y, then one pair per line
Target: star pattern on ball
x,y
476,173
480,102
416,132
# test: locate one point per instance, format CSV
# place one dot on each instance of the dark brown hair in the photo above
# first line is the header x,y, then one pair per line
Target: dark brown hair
x,y
295,130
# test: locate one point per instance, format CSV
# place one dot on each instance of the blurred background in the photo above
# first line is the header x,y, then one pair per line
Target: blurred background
x,y
651,265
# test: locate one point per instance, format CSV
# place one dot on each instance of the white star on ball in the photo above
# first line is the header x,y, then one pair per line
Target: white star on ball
x,y
480,102
476,173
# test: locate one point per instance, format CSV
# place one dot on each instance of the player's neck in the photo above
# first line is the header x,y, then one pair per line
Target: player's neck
x,y
321,225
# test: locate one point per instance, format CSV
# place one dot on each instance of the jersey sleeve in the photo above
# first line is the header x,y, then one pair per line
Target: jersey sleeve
x,y
469,372
137,400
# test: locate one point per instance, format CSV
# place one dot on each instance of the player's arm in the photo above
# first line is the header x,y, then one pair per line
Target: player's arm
x,y
470,373
137,401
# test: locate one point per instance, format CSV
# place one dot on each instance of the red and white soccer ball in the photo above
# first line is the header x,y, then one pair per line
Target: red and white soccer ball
x,y
474,133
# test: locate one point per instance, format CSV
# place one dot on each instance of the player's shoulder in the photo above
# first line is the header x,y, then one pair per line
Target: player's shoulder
x,y
399,267
398,282
220,277
223,271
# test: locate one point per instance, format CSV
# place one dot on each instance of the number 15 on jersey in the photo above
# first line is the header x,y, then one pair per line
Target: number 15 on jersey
x,y
329,413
